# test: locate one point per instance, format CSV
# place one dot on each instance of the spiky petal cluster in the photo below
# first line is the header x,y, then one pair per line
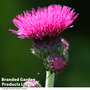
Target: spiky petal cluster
x,y
31,83
45,21
58,63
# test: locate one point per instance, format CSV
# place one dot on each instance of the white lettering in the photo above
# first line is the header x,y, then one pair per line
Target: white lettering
x,y
21,84
10,79
2,79
10,84
24,79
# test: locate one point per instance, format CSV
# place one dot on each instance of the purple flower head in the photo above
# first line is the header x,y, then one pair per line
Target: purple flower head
x,y
58,63
49,20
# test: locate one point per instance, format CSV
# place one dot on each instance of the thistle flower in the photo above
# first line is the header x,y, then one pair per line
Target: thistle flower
x,y
44,27
51,20
58,63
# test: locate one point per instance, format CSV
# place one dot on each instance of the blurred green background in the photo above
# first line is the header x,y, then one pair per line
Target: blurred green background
x,y
16,59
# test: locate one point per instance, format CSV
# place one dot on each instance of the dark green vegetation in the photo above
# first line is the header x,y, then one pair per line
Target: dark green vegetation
x,y
16,59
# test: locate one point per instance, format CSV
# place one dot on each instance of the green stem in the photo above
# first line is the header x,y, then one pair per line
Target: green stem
x,y
49,79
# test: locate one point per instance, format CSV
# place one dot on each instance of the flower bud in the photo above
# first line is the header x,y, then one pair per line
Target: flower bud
x,y
31,83
58,63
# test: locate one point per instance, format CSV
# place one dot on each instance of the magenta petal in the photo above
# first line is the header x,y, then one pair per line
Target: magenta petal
x,y
44,21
